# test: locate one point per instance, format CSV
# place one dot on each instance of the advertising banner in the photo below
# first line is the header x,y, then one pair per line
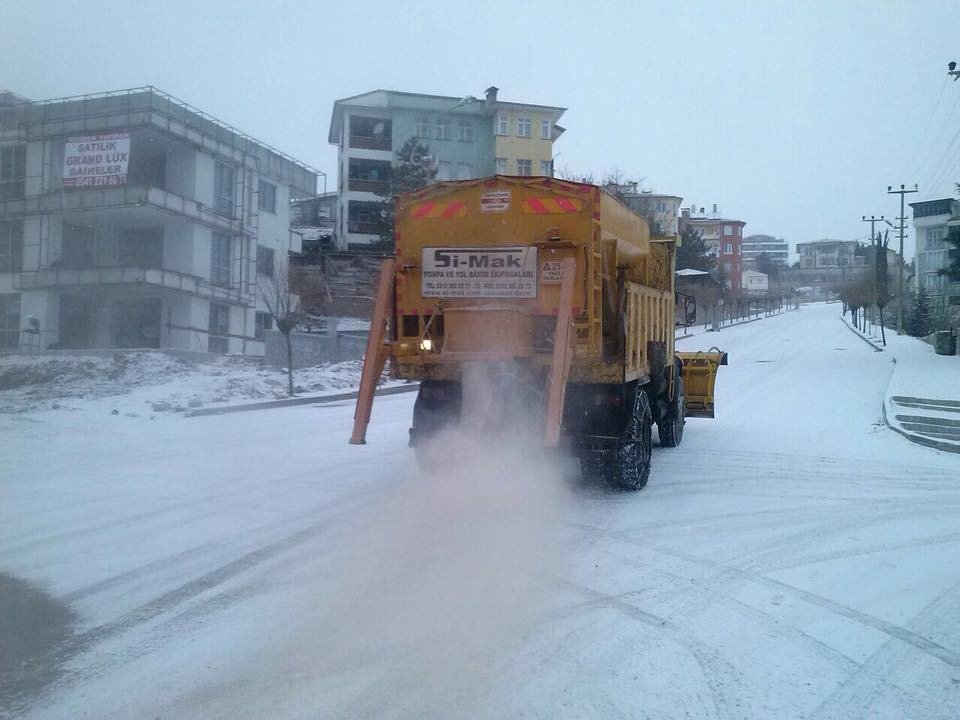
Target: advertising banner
x,y
96,161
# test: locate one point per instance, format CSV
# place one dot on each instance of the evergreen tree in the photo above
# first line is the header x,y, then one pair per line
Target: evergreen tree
x,y
694,253
412,169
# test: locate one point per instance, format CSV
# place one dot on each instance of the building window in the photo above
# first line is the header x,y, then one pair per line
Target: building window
x,y
9,321
728,230
220,260
464,171
501,166
140,247
422,129
11,246
546,168
442,129
936,239
503,125
267,197
262,323
369,175
466,131
370,133
224,178
524,167
264,261
77,246
726,267
13,171
444,171
365,217
217,342
728,249
544,129
524,127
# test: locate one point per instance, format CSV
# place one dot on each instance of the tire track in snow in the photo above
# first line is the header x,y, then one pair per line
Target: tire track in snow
x,y
717,672
851,698
728,575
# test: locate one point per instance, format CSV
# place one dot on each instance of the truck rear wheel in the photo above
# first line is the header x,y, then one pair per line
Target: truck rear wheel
x,y
627,465
670,426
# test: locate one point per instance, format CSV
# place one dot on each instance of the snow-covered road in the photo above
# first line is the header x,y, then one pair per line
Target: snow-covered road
x,y
794,558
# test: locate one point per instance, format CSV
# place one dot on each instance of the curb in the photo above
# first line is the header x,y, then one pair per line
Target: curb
x,y
860,335
918,439
912,437
290,402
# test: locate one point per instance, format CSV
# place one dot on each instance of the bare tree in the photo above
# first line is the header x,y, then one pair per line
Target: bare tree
x,y
283,304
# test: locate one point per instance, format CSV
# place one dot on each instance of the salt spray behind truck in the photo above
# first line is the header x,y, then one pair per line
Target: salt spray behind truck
x,y
532,301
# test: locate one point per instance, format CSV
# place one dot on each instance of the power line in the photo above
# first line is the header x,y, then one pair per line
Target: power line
x,y
926,128
932,155
946,163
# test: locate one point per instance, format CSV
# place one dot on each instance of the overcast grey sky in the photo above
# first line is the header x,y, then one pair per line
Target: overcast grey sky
x,y
793,116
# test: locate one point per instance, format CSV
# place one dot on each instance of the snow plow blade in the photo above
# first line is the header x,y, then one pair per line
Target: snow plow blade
x,y
699,376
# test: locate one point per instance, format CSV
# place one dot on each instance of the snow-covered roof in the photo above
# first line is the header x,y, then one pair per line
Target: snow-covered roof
x,y
687,272
312,233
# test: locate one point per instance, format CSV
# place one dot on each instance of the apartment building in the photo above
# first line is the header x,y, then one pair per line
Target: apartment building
x,y
131,219
933,221
724,236
822,254
465,137
663,209
524,136
755,245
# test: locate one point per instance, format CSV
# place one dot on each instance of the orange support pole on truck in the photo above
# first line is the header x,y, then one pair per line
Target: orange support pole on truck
x,y
562,351
375,356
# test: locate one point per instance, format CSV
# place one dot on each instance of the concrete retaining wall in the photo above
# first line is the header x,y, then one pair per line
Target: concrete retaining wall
x,y
311,349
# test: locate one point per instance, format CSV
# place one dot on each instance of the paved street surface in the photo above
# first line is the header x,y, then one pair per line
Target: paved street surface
x,y
793,558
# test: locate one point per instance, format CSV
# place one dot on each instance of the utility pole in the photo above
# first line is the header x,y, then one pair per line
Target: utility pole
x,y
902,192
873,220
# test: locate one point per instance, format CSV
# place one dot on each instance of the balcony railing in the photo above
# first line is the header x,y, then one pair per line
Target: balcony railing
x,y
153,277
369,228
374,186
370,142
149,106
116,197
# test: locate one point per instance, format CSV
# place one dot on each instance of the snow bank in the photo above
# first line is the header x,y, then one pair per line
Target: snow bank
x,y
140,383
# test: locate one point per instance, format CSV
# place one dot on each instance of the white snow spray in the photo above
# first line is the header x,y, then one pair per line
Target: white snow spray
x,y
447,574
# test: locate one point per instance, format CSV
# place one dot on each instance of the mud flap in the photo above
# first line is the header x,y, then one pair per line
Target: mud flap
x,y
699,377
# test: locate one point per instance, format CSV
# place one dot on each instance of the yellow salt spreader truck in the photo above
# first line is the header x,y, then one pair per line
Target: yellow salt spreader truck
x,y
526,302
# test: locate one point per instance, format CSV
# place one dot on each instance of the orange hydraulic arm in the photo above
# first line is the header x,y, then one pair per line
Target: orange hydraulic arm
x,y
375,357
562,352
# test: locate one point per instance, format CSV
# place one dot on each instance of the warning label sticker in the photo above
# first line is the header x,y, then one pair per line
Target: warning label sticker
x,y
502,272
495,201
551,272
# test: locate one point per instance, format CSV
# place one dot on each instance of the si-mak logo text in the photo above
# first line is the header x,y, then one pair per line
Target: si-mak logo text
x,y
478,259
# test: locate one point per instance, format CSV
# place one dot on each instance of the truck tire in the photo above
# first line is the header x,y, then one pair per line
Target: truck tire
x,y
670,427
626,466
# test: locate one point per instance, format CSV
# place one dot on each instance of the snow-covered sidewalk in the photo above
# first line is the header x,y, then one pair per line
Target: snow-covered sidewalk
x,y
922,401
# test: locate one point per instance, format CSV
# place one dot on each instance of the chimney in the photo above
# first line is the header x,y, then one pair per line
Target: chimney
x,y
492,94
714,209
